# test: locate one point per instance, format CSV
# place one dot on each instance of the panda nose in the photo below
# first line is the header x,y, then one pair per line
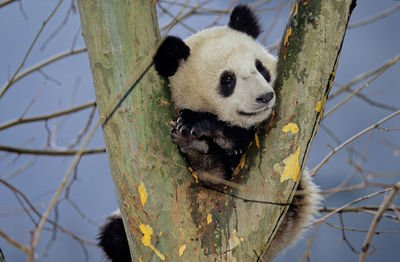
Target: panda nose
x,y
265,98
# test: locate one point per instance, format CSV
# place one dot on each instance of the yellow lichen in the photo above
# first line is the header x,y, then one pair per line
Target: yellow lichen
x,y
292,127
292,168
142,193
242,161
320,104
288,33
195,177
257,140
209,218
291,9
182,249
147,231
194,174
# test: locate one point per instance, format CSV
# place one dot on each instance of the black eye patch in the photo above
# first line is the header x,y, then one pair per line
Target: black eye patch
x,y
263,71
227,83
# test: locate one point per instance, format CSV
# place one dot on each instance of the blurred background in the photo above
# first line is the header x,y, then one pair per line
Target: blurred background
x,y
42,50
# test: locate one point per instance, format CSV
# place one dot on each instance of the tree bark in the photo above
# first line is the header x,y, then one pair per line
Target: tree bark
x,y
166,215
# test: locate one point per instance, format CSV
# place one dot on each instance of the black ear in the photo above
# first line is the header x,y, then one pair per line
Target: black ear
x,y
166,60
245,20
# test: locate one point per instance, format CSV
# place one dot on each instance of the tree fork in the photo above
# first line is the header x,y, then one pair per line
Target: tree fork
x,y
166,215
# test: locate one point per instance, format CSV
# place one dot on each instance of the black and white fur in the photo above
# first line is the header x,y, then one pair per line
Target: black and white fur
x,y
221,81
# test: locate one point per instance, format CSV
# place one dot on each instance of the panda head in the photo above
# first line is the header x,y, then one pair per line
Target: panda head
x,y
221,70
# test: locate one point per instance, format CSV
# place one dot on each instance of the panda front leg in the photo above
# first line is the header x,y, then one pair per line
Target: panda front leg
x,y
212,147
197,130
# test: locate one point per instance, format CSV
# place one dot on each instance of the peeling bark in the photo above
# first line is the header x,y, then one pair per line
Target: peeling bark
x,y
166,215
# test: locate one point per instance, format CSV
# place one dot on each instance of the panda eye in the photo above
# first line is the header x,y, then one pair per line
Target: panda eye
x,y
227,83
263,71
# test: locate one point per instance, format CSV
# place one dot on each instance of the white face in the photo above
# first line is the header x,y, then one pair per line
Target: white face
x,y
231,76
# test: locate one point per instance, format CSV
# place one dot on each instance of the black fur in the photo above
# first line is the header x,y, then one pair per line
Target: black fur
x,y
113,240
227,83
170,52
244,20
263,70
209,144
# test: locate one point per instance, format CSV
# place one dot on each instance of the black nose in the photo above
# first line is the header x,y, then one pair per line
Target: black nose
x,y
265,98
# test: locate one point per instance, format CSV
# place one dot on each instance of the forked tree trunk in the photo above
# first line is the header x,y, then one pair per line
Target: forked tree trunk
x,y
166,215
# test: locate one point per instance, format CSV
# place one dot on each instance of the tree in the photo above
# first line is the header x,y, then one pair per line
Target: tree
x,y
148,150
155,195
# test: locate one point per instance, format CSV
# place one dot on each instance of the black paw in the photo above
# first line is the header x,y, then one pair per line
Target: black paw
x,y
194,124
227,144
191,132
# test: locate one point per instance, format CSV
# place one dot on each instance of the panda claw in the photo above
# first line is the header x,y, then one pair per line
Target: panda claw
x,y
193,132
183,131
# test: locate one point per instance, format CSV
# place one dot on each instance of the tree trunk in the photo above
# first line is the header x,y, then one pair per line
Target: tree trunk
x,y
166,215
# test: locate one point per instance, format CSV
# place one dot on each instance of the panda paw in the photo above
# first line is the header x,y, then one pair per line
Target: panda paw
x,y
190,134
193,124
200,131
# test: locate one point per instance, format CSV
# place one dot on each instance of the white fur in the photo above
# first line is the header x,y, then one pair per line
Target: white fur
x,y
212,51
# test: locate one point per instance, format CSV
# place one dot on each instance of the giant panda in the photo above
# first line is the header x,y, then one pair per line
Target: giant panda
x,y
221,82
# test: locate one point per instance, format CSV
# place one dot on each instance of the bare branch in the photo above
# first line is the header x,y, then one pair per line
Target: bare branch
x,y
14,242
54,199
42,64
9,82
18,193
339,209
71,10
354,93
29,151
385,204
375,17
315,169
353,209
363,76
47,116
6,2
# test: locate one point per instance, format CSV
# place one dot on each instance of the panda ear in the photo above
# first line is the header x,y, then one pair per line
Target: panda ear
x,y
244,19
169,54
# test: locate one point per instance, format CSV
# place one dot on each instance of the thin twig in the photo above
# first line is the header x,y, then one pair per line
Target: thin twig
x,y
9,82
326,114
339,209
375,17
355,80
54,199
78,138
18,192
47,116
14,242
353,209
6,2
42,64
343,230
72,10
29,151
385,204
316,168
